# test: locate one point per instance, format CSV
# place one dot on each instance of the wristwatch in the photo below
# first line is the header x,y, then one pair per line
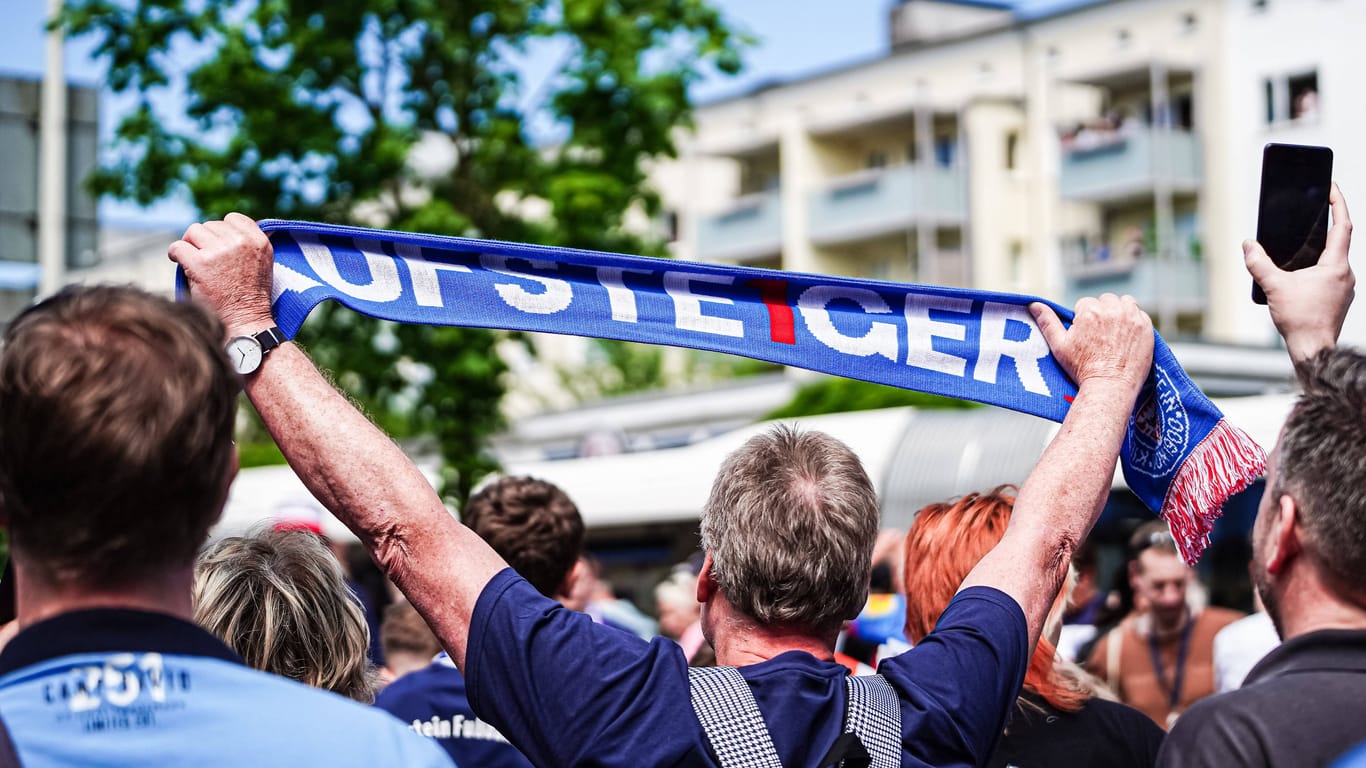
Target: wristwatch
x,y
246,352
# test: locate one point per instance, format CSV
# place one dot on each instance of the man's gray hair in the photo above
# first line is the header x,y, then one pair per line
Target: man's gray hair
x,y
1323,459
790,527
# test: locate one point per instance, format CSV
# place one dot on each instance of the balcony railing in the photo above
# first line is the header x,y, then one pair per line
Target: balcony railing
x,y
751,228
871,203
1127,163
1178,284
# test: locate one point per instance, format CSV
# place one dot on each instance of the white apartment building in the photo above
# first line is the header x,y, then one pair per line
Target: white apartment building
x,y
1050,147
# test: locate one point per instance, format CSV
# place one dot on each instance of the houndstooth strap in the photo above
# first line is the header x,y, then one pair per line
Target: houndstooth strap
x,y
874,715
730,717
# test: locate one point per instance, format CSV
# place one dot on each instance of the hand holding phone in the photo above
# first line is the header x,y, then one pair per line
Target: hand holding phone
x,y
1310,305
1292,216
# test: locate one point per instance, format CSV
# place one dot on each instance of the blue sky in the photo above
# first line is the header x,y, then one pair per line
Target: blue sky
x,y
795,38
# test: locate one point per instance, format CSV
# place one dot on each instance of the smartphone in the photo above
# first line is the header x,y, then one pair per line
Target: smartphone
x,y
1292,216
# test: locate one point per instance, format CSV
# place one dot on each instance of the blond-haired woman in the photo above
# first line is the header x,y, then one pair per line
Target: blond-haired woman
x,y
280,600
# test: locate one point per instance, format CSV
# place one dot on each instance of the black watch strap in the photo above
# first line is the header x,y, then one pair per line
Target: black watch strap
x,y
270,338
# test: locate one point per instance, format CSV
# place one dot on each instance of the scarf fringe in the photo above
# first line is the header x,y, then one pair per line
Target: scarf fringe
x,y
1224,463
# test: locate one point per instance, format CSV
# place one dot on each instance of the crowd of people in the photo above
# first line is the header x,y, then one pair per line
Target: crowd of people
x,y
137,646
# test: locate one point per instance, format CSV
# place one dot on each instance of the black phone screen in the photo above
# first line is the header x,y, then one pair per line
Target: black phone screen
x,y
1292,217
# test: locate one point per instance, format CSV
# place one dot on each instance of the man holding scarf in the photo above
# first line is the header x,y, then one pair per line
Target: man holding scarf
x,y
567,691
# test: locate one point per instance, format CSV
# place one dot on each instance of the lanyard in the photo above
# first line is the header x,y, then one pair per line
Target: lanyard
x,y
1174,695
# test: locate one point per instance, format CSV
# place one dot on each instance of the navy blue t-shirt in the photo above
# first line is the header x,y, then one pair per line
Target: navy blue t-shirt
x,y
568,691
432,702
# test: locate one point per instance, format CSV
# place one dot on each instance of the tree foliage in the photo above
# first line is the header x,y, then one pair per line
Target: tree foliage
x,y
311,109
837,395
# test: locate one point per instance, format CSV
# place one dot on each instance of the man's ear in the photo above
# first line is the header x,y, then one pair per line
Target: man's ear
x,y
706,584
1283,540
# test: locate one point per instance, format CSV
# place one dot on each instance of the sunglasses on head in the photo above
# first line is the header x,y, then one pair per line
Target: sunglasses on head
x,y
1162,538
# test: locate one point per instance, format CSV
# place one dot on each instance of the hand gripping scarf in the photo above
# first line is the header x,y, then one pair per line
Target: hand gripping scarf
x,y
1179,455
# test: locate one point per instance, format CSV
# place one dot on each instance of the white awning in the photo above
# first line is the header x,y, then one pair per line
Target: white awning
x,y
913,457
672,485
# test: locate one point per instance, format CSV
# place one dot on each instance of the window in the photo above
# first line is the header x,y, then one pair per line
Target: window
x,y
876,159
1189,23
1122,38
1304,96
1294,97
1259,6
1012,150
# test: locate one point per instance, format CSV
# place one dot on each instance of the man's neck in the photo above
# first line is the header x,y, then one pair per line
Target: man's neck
x,y
1307,605
740,641
38,599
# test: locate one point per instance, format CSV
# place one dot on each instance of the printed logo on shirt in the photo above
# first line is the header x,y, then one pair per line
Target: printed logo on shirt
x,y
457,727
125,692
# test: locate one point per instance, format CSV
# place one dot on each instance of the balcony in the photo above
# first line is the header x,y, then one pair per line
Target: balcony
x,y
1126,164
1180,284
752,228
872,203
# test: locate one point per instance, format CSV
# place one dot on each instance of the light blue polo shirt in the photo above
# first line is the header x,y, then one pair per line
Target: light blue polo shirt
x,y
115,687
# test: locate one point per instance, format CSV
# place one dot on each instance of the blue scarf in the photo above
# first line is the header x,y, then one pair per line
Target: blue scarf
x,y
1179,456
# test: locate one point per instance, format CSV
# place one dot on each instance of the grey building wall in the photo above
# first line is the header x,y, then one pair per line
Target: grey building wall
x,y
20,141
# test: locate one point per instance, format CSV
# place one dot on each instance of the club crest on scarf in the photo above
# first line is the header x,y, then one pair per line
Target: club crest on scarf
x,y
1159,430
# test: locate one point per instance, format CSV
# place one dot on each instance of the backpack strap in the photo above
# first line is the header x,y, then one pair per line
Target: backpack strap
x,y
874,715
730,717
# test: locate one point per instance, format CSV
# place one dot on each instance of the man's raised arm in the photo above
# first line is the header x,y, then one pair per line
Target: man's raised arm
x,y
1108,352
352,467
1309,305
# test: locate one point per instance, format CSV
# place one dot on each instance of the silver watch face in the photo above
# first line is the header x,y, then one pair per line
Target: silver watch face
x,y
245,354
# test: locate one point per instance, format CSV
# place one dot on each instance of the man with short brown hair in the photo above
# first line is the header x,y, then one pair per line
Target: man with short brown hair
x,y
534,525
116,425
537,529
116,420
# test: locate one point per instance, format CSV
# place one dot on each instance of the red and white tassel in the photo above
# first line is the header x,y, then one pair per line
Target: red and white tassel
x,y
1224,463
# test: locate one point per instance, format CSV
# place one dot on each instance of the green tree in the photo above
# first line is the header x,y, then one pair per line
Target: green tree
x,y
832,394
311,109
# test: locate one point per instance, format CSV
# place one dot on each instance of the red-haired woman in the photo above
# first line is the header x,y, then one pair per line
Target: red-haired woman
x,y
1057,720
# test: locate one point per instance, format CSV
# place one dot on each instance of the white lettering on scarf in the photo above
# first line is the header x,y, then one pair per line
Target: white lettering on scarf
x,y
688,305
880,338
384,285
1026,352
555,298
921,331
